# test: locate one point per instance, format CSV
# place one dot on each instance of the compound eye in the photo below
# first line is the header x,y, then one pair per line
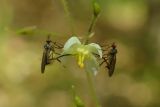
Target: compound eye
x,y
114,45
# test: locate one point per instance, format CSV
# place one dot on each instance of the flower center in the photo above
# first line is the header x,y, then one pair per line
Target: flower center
x,y
82,53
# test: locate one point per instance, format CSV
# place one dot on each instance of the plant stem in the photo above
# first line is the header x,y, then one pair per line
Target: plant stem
x,y
92,25
92,89
93,21
67,12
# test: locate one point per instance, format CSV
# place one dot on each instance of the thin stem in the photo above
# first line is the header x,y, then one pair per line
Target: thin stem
x,y
96,11
92,89
93,21
66,9
92,25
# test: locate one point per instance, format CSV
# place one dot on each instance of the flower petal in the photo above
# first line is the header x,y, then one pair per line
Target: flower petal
x,y
95,48
72,50
71,41
91,64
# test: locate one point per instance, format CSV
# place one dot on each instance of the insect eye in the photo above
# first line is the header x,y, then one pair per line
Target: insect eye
x,y
113,45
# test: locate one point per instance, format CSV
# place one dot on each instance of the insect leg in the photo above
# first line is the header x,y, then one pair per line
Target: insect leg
x,y
101,63
58,58
63,56
104,60
57,45
57,53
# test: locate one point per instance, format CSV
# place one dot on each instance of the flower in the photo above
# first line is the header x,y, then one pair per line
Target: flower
x,y
84,53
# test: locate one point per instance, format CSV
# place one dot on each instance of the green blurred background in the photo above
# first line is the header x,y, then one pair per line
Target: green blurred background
x,y
133,24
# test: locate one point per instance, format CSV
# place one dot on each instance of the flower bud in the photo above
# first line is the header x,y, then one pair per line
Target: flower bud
x,y
96,9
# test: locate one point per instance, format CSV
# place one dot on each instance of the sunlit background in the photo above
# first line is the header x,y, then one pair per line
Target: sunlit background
x,y
134,25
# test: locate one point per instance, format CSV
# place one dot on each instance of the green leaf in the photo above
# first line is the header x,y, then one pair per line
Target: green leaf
x,y
70,42
95,48
33,30
91,64
27,30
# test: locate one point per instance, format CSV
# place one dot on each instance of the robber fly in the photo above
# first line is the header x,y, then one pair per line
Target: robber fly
x,y
49,50
110,59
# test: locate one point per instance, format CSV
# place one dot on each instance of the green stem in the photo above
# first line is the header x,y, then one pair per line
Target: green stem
x,y
93,21
66,9
96,11
92,25
92,89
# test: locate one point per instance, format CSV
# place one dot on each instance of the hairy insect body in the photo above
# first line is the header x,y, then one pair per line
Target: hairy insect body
x,y
110,59
49,53
47,46
49,50
47,56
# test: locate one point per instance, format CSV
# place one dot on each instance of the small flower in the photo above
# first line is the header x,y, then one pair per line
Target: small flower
x,y
83,53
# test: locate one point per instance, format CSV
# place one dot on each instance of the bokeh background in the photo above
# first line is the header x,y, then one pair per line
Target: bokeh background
x,y
133,24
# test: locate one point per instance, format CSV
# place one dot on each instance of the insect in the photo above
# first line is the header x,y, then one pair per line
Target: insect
x,y
110,59
49,50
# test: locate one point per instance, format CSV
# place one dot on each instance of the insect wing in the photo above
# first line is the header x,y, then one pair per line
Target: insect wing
x,y
112,66
44,61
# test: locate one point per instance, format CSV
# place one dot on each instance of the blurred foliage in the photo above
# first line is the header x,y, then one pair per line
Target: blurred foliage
x,y
133,24
76,99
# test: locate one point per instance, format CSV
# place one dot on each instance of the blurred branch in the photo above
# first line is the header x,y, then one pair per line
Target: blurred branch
x,y
70,20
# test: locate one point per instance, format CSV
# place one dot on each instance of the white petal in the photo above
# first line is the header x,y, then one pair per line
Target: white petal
x,y
71,41
91,65
97,47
